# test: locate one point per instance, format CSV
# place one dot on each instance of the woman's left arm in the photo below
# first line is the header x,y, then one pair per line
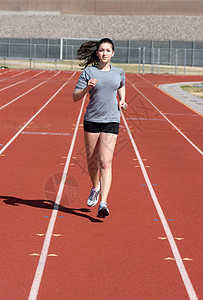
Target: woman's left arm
x,y
121,95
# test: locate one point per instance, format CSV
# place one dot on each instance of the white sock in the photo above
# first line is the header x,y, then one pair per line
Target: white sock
x,y
96,189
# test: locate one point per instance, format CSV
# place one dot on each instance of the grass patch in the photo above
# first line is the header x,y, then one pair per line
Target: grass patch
x,y
194,89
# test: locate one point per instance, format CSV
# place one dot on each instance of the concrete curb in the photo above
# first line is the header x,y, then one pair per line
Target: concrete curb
x,y
175,90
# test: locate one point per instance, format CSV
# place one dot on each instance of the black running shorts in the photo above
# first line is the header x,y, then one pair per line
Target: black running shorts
x,y
111,127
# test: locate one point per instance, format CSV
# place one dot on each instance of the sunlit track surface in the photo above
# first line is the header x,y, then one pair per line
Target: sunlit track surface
x,y
129,255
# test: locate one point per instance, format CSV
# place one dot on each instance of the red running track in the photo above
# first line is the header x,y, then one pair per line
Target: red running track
x,y
150,246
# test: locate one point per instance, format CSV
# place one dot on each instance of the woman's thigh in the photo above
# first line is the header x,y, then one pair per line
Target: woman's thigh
x,y
91,145
107,142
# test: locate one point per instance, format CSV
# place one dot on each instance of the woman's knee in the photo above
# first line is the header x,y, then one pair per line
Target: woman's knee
x,y
105,164
93,164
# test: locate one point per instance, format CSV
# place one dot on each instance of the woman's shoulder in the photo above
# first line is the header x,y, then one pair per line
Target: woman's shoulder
x,y
89,69
116,69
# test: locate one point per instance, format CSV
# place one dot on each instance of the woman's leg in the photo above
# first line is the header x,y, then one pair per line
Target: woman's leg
x,y
107,142
92,154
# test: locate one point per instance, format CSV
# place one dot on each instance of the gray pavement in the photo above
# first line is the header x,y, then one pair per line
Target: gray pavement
x,y
175,90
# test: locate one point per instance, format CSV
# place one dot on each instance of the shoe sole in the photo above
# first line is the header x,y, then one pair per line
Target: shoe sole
x,y
102,213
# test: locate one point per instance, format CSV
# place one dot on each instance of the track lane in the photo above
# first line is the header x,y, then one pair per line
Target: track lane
x,y
44,253
177,114
11,75
180,176
24,90
19,82
184,275
81,281
21,114
5,96
121,257
131,255
5,71
23,202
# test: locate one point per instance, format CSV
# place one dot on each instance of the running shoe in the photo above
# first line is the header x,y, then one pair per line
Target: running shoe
x,y
93,197
103,210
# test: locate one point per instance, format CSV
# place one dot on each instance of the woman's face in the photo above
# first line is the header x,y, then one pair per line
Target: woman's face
x,y
105,52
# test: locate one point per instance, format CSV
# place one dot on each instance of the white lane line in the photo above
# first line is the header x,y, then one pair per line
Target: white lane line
x,y
176,93
46,133
184,275
25,71
32,89
27,79
146,80
35,115
2,73
145,119
174,126
43,256
15,75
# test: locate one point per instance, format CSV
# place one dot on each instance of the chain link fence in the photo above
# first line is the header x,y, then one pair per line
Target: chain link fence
x,y
150,57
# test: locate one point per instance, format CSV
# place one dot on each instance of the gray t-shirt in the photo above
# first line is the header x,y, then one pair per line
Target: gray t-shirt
x,y
103,106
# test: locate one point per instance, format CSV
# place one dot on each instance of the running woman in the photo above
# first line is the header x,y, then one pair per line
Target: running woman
x,y
103,82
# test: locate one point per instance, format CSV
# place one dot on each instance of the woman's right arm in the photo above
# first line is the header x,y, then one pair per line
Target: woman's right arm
x,y
78,95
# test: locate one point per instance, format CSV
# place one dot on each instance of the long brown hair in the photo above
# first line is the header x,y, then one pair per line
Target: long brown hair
x,y
87,52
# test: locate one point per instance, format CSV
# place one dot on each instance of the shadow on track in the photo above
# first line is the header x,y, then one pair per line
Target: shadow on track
x,y
49,204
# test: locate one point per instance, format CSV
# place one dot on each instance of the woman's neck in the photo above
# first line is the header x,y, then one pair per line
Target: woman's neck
x,y
104,67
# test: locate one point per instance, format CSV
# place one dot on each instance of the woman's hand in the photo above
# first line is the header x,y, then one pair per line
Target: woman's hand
x,y
91,83
78,95
121,95
123,104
